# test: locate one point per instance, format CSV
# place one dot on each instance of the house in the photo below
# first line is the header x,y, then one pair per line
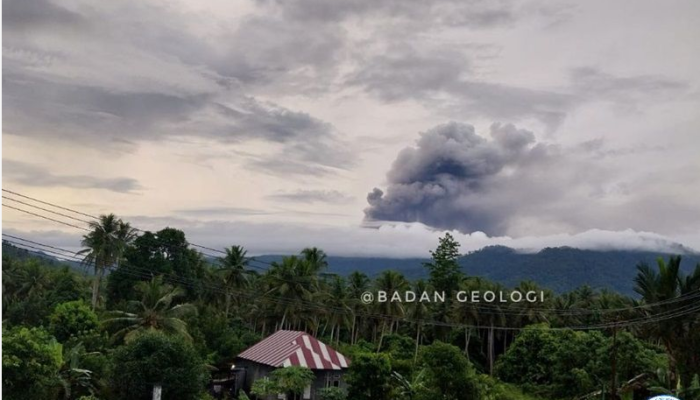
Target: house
x,y
292,348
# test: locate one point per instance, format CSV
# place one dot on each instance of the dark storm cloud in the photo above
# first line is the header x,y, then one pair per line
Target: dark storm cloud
x,y
442,181
88,114
32,175
32,14
291,55
444,77
470,13
312,196
140,74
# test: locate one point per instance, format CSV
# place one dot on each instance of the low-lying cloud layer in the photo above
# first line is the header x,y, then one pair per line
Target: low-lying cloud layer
x,y
391,240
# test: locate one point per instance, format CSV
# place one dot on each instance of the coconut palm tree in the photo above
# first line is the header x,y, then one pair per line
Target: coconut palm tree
x,y
155,311
676,292
316,259
467,312
105,246
31,279
291,285
390,282
235,275
418,311
338,300
358,283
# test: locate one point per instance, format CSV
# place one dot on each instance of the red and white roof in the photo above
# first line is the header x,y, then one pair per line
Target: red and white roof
x,y
295,348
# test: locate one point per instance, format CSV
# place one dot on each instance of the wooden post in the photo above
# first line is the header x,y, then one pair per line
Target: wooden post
x,y
613,362
157,390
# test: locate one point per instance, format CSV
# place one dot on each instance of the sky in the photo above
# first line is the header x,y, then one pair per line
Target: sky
x,y
361,127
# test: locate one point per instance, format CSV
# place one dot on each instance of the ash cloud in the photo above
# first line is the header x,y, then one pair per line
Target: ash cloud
x,y
444,181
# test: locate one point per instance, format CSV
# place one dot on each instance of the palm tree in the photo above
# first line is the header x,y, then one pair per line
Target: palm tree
x,y
390,282
338,300
316,258
358,283
32,279
105,246
467,312
235,275
677,292
418,311
155,311
291,285
126,235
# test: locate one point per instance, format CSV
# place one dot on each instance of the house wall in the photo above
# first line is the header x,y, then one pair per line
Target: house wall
x,y
324,378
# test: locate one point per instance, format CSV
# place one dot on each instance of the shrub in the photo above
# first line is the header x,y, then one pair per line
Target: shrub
x,y
157,358
72,319
31,359
332,393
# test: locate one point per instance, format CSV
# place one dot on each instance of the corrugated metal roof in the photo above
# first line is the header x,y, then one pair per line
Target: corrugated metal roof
x,y
295,348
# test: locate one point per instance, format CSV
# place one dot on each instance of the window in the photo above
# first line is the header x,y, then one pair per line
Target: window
x,y
332,379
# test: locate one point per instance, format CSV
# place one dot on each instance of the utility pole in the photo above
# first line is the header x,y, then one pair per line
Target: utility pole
x,y
613,365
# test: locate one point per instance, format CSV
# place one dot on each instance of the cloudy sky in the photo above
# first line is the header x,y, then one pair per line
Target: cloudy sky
x,y
364,127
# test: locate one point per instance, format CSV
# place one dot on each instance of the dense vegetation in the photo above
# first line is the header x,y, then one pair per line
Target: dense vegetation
x,y
156,311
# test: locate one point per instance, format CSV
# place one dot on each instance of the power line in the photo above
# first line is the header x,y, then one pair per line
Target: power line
x,y
40,244
46,218
509,310
47,210
483,308
143,273
47,203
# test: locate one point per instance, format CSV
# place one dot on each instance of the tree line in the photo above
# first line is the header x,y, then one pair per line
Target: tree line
x,y
157,310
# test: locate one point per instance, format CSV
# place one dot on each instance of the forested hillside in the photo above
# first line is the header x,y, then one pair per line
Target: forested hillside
x,y
157,309
561,269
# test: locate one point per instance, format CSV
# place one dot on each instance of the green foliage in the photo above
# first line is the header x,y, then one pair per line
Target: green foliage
x,y
292,379
445,272
155,358
31,359
369,377
569,363
155,311
490,388
680,336
72,319
243,396
331,393
383,351
283,380
448,374
401,351
165,252
31,288
264,387
75,376
104,245
217,337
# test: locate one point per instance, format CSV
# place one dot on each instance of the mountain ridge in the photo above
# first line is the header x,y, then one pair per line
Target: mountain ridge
x,y
561,269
